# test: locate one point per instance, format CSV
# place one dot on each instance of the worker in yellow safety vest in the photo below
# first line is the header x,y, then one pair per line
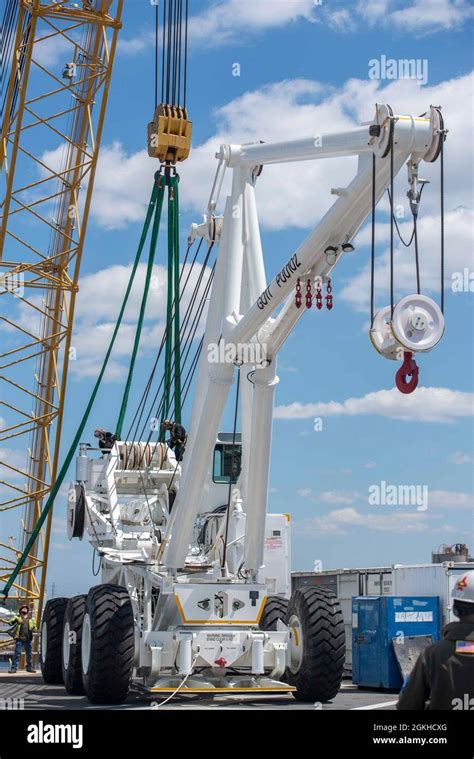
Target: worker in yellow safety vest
x,y
21,630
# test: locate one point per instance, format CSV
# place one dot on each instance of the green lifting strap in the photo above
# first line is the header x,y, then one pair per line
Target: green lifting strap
x,y
72,450
177,343
149,271
172,345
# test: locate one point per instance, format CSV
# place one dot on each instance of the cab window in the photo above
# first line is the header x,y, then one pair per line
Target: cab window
x,y
225,463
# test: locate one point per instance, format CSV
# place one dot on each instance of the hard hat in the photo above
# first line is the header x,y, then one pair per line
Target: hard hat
x,y
464,588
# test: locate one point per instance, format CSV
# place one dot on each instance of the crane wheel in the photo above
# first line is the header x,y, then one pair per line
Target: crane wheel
x,y
317,644
275,609
51,640
107,645
72,634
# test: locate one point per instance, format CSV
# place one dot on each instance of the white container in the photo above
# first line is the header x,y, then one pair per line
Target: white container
x,y
431,580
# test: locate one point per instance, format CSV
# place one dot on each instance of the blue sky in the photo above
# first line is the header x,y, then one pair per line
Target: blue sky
x,y
303,67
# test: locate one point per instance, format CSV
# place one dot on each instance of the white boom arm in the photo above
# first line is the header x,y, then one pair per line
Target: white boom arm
x,y
242,303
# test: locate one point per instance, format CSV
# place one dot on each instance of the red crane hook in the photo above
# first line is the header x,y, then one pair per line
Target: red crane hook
x,y
409,368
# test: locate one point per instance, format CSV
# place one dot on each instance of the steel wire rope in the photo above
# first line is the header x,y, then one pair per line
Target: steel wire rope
x,y
148,387
153,403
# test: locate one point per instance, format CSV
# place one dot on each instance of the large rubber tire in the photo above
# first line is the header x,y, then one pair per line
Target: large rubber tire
x,y
51,648
71,645
275,609
107,644
317,648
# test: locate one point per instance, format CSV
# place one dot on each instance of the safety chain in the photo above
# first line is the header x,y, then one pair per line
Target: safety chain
x,y
318,296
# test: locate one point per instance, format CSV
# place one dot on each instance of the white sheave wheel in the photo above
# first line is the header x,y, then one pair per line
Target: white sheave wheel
x,y
382,337
417,323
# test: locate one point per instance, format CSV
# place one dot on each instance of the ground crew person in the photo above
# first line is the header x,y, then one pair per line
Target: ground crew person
x,y
443,676
23,635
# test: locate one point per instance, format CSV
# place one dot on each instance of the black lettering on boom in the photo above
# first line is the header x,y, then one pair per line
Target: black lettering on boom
x,y
264,298
289,268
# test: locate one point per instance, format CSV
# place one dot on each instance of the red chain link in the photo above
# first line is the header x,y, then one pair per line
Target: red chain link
x,y
309,294
329,295
319,296
298,293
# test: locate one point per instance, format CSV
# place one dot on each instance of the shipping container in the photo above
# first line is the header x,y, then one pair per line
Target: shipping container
x,y
431,580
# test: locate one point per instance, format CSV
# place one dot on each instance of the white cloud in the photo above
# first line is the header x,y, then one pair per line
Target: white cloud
x,y
439,499
373,11
448,499
228,21
432,15
98,303
333,497
60,525
135,45
12,457
225,21
410,16
449,528
123,186
53,51
341,20
340,522
459,458
97,308
337,497
426,404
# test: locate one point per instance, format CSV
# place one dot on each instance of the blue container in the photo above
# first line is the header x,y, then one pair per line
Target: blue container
x,y
376,622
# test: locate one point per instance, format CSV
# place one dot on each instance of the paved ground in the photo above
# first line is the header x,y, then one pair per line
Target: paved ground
x,y
37,695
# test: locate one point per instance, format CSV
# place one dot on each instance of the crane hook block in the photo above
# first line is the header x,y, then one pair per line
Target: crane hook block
x,y
409,368
169,134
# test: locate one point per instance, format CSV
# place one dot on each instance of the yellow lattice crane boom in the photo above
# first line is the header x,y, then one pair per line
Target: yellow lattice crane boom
x,y
61,61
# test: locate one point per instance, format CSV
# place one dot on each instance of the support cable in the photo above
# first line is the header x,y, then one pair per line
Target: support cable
x,y
372,257
156,54
417,257
443,136
392,294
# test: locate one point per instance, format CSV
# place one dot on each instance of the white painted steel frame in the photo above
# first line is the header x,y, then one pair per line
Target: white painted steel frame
x,y
237,314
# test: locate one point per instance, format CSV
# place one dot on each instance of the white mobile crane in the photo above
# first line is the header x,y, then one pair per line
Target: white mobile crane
x,y
195,593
